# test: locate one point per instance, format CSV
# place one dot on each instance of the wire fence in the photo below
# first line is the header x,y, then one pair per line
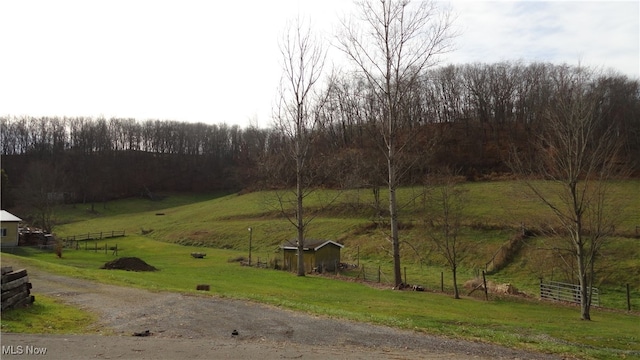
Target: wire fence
x,y
373,275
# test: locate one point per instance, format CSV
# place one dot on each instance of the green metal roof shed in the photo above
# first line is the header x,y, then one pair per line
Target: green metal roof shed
x,y
319,255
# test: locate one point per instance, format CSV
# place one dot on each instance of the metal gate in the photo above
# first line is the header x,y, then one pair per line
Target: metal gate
x,y
566,292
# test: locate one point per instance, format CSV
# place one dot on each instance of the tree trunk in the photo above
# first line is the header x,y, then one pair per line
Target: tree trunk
x,y
393,214
583,278
299,207
456,294
585,300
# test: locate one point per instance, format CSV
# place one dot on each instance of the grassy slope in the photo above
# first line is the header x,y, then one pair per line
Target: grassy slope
x,y
493,215
222,222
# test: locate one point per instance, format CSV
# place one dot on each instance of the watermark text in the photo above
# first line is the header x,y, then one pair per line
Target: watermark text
x,y
23,350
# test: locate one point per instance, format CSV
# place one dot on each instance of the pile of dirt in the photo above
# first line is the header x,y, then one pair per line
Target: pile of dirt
x,y
129,264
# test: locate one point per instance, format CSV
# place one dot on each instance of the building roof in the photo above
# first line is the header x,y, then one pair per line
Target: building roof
x,y
8,217
310,244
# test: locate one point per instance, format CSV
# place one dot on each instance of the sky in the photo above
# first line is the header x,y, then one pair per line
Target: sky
x,y
218,61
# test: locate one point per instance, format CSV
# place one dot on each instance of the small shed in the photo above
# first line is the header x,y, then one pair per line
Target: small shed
x,y
9,228
319,255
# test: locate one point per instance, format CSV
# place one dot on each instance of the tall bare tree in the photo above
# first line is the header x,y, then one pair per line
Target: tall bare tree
x,y
392,44
303,59
576,151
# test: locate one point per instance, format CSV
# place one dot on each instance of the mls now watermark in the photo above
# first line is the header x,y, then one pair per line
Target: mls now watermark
x,y
23,350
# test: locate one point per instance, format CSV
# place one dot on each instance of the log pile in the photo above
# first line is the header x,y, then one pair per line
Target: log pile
x,y
16,288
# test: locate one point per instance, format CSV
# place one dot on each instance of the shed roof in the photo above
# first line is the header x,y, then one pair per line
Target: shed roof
x,y
8,217
310,244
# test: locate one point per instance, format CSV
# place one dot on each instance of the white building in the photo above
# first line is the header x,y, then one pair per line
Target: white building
x,y
9,228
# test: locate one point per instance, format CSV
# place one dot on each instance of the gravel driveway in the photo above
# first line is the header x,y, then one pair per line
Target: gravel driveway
x,y
202,327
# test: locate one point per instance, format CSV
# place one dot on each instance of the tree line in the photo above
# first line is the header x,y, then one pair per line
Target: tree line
x,y
460,116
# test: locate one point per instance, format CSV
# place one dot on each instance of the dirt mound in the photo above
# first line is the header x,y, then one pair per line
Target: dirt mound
x,y
129,264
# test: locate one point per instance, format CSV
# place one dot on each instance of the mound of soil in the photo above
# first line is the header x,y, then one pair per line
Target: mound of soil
x,y
129,264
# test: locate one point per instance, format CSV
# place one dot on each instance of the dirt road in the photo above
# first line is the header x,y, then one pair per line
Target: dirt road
x,y
183,326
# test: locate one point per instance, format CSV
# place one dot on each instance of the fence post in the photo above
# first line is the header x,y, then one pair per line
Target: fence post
x,y
441,281
378,274
405,275
484,281
628,299
105,248
541,287
96,244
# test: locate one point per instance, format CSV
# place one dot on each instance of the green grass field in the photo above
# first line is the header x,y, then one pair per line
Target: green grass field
x,y
220,223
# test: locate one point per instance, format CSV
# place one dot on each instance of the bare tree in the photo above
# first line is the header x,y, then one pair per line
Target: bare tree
x,y
303,58
576,151
41,192
391,45
6,197
447,202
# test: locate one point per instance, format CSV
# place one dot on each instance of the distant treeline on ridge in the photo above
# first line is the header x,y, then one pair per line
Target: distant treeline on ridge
x,y
465,117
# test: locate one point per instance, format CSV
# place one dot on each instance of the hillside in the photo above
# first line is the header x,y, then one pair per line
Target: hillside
x,y
493,217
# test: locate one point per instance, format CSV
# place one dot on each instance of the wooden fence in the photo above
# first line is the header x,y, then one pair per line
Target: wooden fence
x,y
95,248
93,236
16,288
566,292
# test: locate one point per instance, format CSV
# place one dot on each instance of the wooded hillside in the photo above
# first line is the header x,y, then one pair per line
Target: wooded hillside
x,y
466,117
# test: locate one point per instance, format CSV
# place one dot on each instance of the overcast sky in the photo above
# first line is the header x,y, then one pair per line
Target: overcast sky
x,y
218,61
